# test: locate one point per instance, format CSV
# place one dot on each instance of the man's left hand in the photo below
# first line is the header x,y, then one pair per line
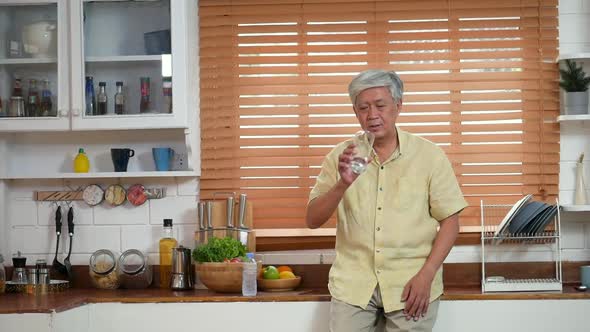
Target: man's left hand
x,y
416,295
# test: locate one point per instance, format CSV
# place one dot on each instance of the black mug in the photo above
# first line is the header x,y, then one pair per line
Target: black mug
x,y
121,158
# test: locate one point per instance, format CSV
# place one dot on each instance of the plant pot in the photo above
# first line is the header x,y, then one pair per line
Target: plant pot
x,y
576,102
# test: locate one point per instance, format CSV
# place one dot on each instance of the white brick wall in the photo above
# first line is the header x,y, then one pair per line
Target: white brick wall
x,y
30,227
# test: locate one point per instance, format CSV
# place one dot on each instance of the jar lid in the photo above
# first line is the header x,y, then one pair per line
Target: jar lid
x,y
103,261
132,261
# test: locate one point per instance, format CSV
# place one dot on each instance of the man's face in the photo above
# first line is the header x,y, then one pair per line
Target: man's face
x,y
377,112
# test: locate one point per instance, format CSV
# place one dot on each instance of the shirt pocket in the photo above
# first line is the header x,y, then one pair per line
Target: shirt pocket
x,y
411,193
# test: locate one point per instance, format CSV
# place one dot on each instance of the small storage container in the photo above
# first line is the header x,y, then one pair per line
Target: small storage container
x,y
103,269
134,270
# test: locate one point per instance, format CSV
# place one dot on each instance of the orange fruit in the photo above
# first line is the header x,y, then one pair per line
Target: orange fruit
x,y
286,275
284,268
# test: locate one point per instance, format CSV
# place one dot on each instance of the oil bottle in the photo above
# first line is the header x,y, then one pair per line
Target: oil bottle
x,y
167,242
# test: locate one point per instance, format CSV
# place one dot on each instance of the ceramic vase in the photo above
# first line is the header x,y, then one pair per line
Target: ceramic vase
x,y
580,193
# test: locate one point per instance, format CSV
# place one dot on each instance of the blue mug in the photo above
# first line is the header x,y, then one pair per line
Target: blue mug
x,y
162,158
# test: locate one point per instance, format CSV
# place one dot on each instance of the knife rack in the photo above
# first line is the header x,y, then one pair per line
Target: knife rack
x,y
494,243
219,222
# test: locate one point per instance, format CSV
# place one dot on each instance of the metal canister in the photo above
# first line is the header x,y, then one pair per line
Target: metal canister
x,y
17,106
43,281
32,281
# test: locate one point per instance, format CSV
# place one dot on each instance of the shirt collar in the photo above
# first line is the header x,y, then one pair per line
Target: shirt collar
x,y
402,141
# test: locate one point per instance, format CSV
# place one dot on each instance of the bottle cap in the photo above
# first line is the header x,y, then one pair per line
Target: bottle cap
x,y
167,222
81,150
119,83
102,84
250,255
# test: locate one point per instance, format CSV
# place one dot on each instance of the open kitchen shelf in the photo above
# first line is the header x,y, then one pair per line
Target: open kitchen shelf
x,y
27,61
103,175
125,58
575,208
577,117
574,56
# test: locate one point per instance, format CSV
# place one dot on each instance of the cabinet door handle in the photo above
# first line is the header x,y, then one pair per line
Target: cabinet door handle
x,y
76,112
63,113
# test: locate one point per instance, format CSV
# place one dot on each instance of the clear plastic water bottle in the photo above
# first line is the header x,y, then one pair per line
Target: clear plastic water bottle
x,y
249,276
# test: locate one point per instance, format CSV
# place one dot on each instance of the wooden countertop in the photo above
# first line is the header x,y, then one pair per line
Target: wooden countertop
x,y
72,298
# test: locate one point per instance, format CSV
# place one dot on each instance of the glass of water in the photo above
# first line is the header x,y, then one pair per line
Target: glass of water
x,y
363,140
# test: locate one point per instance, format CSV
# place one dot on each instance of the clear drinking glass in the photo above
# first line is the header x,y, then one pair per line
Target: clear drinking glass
x,y
363,140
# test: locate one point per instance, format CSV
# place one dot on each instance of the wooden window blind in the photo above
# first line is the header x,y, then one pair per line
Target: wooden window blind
x,y
480,78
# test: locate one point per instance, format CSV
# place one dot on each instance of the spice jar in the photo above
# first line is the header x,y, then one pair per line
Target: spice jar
x,y
134,270
103,269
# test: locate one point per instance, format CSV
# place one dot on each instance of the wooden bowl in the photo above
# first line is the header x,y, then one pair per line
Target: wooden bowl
x,y
278,285
222,277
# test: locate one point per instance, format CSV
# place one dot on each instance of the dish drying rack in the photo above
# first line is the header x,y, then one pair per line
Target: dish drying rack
x,y
491,215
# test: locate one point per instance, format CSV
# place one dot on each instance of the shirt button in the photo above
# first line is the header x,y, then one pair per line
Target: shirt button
x,y
378,229
382,167
380,188
379,208
378,271
378,250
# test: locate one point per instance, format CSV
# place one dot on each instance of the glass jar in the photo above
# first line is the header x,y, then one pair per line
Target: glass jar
x,y
134,270
103,269
2,275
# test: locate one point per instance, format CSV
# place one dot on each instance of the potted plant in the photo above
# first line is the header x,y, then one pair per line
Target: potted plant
x,y
575,82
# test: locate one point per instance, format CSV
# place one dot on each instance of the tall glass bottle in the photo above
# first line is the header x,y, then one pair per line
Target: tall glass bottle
x,y
32,108
101,99
46,108
119,99
2,275
167,91
90,96
144,102
167,242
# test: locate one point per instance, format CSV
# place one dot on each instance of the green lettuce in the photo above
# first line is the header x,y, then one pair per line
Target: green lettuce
x,y
219,249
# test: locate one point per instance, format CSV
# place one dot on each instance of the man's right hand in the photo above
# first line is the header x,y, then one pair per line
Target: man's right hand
x,y
346,174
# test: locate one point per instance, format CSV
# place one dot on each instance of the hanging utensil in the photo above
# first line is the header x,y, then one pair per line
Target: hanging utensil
x,y
67,263
57,266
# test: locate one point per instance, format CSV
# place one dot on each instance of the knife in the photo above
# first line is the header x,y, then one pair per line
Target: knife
x,y
209,209
243,230
229,231
202,229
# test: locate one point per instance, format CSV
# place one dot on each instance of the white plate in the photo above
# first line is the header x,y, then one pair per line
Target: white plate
x,y
508,218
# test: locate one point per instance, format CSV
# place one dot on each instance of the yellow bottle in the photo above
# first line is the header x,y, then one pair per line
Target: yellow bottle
x,y
167,242
81,162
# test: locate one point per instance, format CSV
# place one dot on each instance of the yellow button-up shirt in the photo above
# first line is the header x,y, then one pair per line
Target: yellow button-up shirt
x,y
388,219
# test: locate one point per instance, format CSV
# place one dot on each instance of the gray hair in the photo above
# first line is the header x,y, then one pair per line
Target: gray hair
x,y
374,78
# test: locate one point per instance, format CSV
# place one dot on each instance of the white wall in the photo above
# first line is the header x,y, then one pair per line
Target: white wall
x,y
574,26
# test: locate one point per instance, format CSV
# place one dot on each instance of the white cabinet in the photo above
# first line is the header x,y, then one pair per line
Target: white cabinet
x,y
112,41
65,41
34,46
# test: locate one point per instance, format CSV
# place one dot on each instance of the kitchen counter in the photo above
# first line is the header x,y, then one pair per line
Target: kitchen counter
x,y
72,298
